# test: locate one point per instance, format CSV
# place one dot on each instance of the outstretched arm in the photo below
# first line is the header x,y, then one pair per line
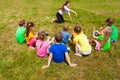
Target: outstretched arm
x,y
73,12
70,16
49,61
68,60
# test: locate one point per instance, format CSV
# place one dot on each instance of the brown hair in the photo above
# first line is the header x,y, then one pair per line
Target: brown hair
x,y
107,32
65,27
77,28
109,21
58,37
29,25
21,22
62,8
41,35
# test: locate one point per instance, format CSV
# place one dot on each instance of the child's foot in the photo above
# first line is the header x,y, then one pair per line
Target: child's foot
x,y
73,65
53,20
31,47
79,55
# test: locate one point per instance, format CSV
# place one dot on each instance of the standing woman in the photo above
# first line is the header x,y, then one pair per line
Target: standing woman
x,y
63,9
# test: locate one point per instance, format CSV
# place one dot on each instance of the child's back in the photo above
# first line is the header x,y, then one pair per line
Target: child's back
x,y
20,32
82,46
83,41
58,51
42,47
66,35
29,32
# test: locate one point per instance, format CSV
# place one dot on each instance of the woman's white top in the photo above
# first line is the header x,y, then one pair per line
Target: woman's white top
x,y
67,10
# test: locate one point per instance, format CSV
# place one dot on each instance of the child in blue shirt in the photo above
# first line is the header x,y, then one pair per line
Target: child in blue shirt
x,y
58,52
66,35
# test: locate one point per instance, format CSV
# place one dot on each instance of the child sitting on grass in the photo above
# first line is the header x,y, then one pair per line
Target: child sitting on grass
x,y
30,38
82,46
43,45
66,35
74,34
114,35
103,39
58,52
20,32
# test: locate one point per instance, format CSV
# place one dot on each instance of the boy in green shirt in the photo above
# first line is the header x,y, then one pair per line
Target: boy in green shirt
x,y
20,32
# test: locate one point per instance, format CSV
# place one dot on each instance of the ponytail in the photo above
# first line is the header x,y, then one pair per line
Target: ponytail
x,y
62,8
29,25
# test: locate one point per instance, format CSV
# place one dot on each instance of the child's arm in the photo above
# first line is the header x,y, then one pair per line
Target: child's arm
x,y
73,12
70,16
49,61
76,47
68,60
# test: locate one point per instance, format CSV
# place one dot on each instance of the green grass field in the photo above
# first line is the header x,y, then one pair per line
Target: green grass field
x,y
18,62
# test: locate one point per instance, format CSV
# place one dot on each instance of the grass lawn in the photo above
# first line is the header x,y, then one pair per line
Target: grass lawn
x,y
18,62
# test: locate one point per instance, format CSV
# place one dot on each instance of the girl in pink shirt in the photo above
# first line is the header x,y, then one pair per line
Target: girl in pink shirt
x,y
42,45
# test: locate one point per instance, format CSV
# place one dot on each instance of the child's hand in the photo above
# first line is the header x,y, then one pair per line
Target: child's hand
x,y
45,66
73,65
76,14
93,28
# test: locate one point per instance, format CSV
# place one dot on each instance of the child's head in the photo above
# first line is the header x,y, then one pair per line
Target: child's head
x,y
58,37
109,21
41,35
67,3
22,22
30,26
77,29
65,28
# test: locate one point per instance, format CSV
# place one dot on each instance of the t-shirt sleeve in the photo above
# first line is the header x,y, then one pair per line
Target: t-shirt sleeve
x,y
70,35
76,39
51,49
65,49
66,8
101,38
